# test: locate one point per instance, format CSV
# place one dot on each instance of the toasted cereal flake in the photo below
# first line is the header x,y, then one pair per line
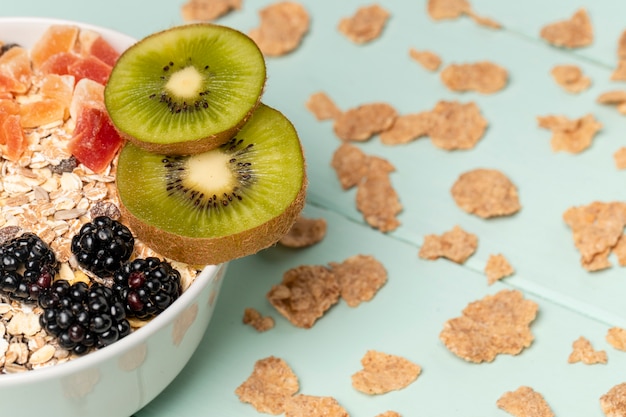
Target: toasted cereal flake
x,y
524,402
620,250
456,125
456,245
612,97
304,232
613,403
484,77
350,164
621,46
570,78
570,135
383,373
485,21
582,351
376,198
486,193
497,267
389,414
305,294
596,229
497,324
447,9
359,277
270,386
322,106
407,128
283,25
205,10
619,73
365,25
362,122
620,158
309,405
574,32
253,318
427,59
616,337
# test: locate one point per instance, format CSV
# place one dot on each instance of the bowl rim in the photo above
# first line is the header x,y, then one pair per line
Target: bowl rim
x,y
204,278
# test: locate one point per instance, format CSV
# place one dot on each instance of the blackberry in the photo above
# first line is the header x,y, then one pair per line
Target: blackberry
x,y
146,286
83,317
27,267
102,245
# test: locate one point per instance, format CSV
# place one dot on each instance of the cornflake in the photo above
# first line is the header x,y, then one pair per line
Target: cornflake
x,y
365,25
383,373
205,10
270,386
453,9
620,158
616,337
619,73
525,402
389,414
497,267
615,98
362,122
575,32
596,229
309,405
305,294
456,245
497,324
350,165
322,106
359,277
486,193
427,59
304,232
613,403
582,351
570,78
283,25
484,77
376,198
253,318
570,135
455,125
407,128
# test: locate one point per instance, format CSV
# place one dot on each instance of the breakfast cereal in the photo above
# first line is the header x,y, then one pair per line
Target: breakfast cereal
x,y
583,351
257,321
206,10
311,405
616,337
376,198
407,128
270,386
497,324
619,157
305,294
484,77
525,402
365,25
304,232
570,135
283,26
322,106
570,78
486,193
447,9
427,59
389,414
383,372
456,245
497,267
613,403
362,122
359,277
350,164
455,125
574,32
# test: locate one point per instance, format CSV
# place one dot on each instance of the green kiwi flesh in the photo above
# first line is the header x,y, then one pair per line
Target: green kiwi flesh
x,y
219,205
186,89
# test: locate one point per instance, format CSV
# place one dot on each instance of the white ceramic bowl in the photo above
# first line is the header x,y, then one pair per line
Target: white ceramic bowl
x,y
123,377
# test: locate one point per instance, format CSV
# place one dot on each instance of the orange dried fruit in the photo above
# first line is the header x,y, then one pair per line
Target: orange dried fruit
x,y
60,88
41,112
56,39
86,93
13,138
90,67
92,43
15,71
59,63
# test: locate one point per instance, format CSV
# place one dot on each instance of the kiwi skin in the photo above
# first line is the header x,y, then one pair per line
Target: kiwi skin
x,y
216,250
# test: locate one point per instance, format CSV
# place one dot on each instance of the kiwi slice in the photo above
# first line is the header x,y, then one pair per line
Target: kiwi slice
x,y
218,205
186,89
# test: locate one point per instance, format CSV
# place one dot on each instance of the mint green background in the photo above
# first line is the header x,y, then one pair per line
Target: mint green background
x,y
407,315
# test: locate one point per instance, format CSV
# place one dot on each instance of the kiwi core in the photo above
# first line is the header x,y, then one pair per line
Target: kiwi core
x,y
210,173
185,83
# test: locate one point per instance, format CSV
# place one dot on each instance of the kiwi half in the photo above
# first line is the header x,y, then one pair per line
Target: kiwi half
x,y
219,205
186,89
